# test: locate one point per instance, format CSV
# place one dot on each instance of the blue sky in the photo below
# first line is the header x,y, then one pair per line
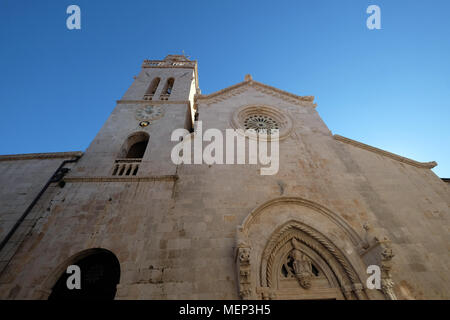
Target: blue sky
x,y
389,88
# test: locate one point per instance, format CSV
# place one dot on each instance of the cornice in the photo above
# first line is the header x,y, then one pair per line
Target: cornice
x,y
242,86
174,61
427,165
152,102
163,66
186,64
121,179
50,155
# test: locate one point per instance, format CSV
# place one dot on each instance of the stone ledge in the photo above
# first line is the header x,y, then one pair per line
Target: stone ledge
x,y
427,165
122,179
50,155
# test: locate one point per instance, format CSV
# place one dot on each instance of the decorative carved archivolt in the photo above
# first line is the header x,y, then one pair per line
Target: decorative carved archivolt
x,y
354,237
344,272
344,281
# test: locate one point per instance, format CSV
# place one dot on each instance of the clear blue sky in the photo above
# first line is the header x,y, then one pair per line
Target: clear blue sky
x,y
389,88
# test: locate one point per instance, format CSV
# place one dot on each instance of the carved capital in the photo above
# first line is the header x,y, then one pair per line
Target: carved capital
x,y
244,256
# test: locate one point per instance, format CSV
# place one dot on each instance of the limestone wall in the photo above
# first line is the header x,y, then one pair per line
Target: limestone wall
x,y
21,179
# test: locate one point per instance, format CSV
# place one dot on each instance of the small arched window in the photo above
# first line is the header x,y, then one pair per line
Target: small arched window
x,y
135,146
131,155
167,89
137,150
152,89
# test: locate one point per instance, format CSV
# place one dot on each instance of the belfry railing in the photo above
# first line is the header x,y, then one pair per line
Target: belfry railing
x,y
126,167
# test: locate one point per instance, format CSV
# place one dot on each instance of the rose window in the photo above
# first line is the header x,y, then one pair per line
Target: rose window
x,y
261,124
254,120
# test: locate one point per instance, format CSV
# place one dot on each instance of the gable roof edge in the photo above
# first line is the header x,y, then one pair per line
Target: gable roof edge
x,y
258,86
426,165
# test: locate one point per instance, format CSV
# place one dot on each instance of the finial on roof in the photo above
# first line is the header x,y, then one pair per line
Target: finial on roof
x,y
248,77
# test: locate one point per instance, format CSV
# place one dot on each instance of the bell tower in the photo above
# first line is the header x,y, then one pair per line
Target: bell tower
x,y
135,139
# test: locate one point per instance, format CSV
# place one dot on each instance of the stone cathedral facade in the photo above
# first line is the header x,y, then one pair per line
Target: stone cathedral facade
x,y
141,227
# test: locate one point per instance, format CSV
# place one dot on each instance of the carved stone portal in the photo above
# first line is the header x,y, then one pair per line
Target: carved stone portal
x,y
298,252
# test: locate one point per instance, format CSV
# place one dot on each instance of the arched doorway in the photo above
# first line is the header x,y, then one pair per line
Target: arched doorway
x,y
300,263
294,248
100,274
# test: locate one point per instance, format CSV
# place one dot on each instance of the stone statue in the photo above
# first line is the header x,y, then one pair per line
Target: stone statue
x,y
301,264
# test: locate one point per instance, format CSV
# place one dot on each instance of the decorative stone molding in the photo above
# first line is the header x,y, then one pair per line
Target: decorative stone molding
x,y
426,165
244,271
171,61
337,219
281,119
51,155
153,102
249,82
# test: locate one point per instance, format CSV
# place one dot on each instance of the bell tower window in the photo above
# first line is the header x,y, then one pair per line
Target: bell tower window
x,y
152,89
131,155
137,150
167,89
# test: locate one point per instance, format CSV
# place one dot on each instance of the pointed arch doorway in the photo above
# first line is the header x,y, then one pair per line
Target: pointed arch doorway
x,y
300,263
297,262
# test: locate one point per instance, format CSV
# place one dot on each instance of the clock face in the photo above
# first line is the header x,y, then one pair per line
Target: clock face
x,y
149,113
